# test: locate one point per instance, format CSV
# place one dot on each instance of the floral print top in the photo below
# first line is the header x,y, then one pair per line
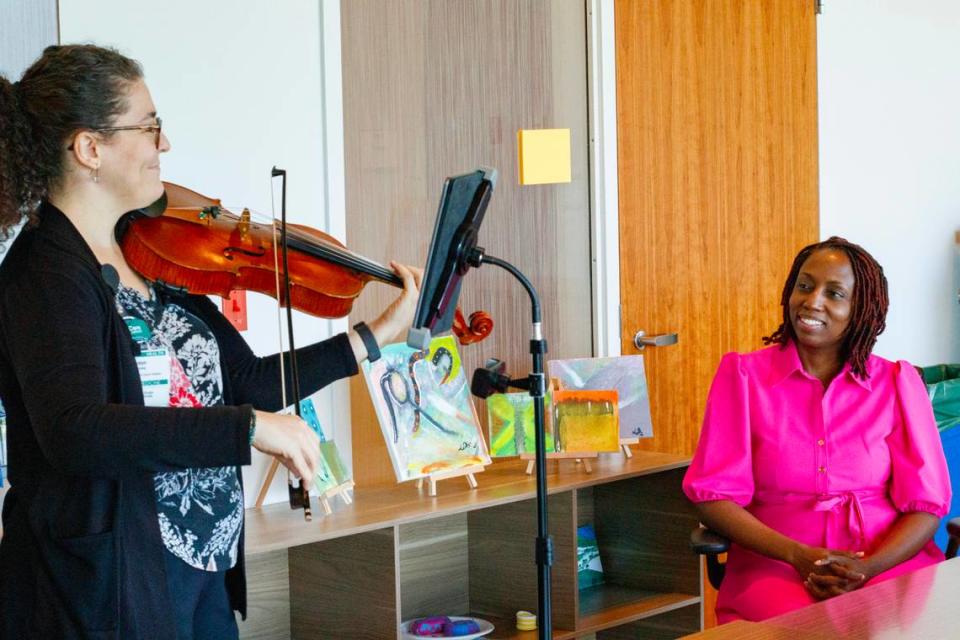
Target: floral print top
x,y
200,510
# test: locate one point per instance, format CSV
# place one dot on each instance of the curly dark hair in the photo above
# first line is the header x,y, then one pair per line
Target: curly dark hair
x,y
69,88
869,303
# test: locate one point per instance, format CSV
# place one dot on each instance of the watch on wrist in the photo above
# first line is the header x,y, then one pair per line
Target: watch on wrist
x,y
369,341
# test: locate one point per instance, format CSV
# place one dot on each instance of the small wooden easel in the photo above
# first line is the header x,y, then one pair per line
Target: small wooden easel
x,y
577,456
437,476
625,446
342,490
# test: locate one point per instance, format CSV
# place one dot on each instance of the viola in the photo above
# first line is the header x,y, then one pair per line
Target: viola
x,y
200,247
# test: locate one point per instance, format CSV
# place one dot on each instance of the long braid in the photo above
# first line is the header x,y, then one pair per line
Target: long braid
x,y
869,304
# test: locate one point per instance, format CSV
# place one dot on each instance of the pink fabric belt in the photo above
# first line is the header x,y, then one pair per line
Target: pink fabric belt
x,y
845,507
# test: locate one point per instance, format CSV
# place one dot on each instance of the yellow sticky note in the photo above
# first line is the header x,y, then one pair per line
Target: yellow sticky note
x,y
544,155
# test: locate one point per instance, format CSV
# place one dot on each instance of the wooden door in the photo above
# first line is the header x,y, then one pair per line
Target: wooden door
x,y
717,139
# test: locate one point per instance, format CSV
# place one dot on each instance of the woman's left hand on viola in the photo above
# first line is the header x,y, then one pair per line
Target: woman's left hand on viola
x,y
842,572
398,316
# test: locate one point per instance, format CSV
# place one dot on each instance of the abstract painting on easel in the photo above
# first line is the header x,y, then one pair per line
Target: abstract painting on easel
x,y
423,405
331,471
586,420
511,424
625,374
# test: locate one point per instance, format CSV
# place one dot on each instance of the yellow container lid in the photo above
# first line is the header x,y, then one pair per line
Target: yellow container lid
x,y
526,621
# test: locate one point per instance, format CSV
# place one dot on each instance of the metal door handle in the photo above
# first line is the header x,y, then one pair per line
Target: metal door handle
x,y
642,340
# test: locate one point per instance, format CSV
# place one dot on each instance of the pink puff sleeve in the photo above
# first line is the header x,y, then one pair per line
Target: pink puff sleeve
x,y
722,467
919,477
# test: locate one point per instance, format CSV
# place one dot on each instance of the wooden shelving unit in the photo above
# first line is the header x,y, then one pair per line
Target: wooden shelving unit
x,y
397,553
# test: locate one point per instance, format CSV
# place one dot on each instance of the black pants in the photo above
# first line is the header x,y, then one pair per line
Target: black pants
x,y
200,602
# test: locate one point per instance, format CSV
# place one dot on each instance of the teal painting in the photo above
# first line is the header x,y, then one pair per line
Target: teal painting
x,y
589,569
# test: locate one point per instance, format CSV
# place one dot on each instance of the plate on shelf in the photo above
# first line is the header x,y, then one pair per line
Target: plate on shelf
x,y
485,628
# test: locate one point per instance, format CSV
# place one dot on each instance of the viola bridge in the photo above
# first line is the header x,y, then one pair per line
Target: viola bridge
x,y
243,226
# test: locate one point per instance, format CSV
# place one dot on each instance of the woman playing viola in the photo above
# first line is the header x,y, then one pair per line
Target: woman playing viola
x,y
821,462
124,520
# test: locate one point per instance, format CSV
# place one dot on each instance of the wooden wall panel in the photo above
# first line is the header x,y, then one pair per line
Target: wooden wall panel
x,y
717,145
435,88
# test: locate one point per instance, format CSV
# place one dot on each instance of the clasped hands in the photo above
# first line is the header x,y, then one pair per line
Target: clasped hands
x,y
829,572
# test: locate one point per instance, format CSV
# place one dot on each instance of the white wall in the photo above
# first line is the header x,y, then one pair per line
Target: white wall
x,y
35,24
243,86
889,101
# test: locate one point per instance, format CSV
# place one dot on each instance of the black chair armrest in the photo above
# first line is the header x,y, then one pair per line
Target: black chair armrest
x,y
953,527
705,542
953,530
709,543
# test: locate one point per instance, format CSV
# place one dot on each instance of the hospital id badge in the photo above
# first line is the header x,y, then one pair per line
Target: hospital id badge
x,y
154,368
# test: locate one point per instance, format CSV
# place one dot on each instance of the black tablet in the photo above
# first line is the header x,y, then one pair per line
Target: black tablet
x,y
463,203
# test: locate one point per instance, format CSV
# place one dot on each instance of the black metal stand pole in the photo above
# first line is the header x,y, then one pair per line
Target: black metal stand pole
x,y
537,382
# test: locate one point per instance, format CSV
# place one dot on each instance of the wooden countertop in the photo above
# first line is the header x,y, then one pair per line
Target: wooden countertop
x,y
922,604
278,527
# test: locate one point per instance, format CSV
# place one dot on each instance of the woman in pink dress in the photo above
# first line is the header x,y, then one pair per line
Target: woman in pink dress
x,y
821,462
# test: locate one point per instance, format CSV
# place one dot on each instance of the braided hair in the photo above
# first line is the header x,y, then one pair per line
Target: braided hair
x,y
69,88
869,303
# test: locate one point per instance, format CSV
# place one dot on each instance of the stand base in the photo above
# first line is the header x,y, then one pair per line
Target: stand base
x,y
466,472
577,456
342,490
625,446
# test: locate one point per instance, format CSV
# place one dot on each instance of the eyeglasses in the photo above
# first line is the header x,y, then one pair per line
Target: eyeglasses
x,y
156,128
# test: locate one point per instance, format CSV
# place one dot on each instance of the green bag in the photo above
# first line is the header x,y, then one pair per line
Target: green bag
x,y
943,388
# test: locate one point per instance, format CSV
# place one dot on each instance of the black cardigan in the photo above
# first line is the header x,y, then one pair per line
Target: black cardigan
x,y
81,554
